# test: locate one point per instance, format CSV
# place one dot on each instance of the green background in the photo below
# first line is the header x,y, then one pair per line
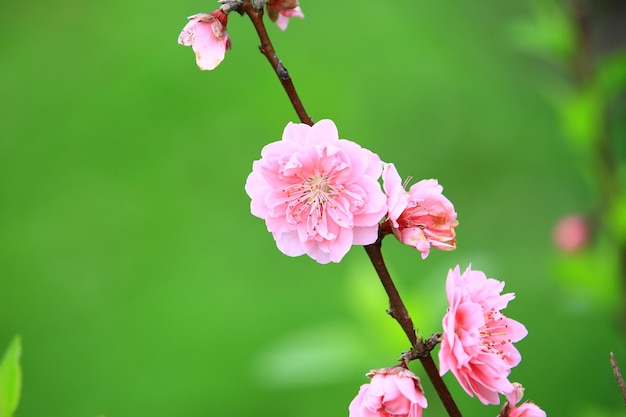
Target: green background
x,y
141,284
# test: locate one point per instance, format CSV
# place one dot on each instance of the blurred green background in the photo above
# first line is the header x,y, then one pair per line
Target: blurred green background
x,y
141,284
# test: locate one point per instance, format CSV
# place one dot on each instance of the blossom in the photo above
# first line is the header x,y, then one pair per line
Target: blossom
x,y
392,392
280,11
478,339
421,217
527,409
207,36
318,194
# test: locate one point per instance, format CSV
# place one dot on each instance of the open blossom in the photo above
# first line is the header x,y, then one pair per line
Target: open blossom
x,y
318,194
392,392
280,11
421,217
478,339
527,409
207,36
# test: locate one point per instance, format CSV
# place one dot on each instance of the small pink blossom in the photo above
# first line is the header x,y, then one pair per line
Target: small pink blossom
x,y
280,11
318,194
571,233
392,392
527,409
421,217
207,36
478,339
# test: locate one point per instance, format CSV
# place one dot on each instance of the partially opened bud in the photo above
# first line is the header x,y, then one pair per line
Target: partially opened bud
x,y
527,409
421,217
280,11
207,36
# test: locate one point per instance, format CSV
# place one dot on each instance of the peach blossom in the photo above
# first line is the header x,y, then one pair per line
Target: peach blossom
x,y
478,339
207,36
422,217
318,194
392,392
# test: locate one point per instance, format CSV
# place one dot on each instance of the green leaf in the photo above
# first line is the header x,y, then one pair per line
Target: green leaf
x,y
10,378
617,218
581,117
611,76
549,32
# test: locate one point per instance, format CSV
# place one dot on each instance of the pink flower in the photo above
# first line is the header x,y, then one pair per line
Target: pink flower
x,y
318,194
421,217
280,11
478,340
571,233
528,409
392,392
206,34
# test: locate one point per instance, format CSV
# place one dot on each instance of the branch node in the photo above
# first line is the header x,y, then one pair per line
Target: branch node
x,y
282,72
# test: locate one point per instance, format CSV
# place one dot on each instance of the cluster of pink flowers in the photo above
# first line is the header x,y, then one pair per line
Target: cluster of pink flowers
x,y
477,347
207,35
319,195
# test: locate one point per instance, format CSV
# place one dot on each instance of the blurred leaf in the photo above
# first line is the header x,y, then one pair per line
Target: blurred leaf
x,y
312,356
611,74
548,33
10,378
590,278
581,117
618,218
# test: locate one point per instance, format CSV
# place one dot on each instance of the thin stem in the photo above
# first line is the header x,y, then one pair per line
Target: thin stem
x,y
398,311
618,375
442,390
267,49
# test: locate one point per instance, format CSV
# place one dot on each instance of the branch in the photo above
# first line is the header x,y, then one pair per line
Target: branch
x,y
618,375
398,311
266,48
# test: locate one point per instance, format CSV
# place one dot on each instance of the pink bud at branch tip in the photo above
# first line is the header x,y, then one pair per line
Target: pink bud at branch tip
x,y
279,11
207,36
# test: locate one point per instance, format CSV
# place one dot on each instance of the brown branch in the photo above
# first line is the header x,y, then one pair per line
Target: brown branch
x,y
267,49
398,311
618,375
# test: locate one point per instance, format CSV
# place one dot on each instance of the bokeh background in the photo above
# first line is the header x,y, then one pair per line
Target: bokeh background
x,y
141,284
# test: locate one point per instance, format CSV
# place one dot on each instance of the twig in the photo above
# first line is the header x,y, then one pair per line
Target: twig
x,y
398,311
267,49
618,375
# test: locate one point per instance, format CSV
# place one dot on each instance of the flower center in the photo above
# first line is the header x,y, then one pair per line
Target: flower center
x,y
494,334
309,197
